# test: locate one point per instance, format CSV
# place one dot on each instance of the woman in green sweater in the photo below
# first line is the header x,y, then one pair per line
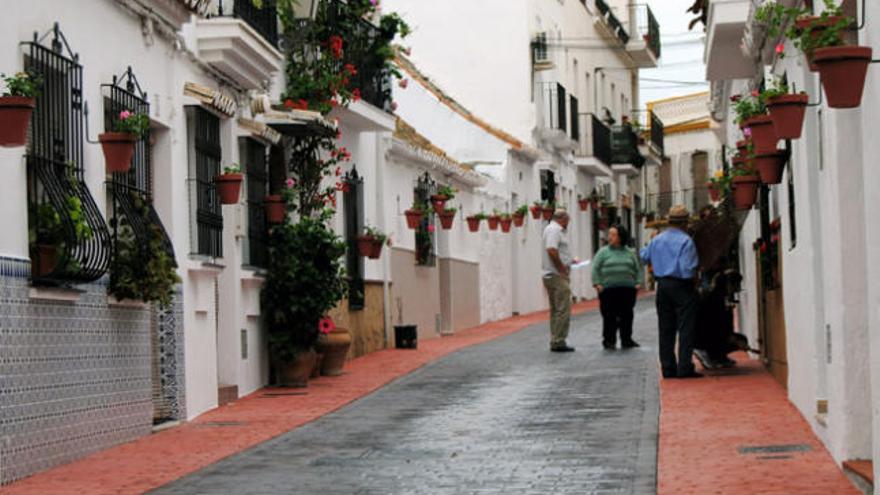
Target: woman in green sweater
x,y
617,275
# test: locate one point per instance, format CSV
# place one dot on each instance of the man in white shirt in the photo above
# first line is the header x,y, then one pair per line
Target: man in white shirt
x,y
556,263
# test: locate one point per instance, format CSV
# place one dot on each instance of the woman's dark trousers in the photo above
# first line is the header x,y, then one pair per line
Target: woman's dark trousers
x,y
616,305
677,303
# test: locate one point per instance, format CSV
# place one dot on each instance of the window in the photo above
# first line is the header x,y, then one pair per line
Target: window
x,y
425,253
253,156
353,205
548,186
205,157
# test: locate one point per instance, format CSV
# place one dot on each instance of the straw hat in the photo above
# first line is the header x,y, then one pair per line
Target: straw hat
x,y
679,215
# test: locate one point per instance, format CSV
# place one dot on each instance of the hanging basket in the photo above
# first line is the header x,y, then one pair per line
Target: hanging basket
x,y
770,166
118,150
228,188
413,218
584,204
473,224
843,70
438,201
763,135
275,210
505,224
745,191
519,220
787,113
446,219
15,116
493,222
547,213
536,211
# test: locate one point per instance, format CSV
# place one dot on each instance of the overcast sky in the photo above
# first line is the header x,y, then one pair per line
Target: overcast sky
x,y
682,54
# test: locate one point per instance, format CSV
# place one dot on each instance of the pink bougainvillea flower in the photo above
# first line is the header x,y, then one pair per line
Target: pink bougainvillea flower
x,y
780,48
326,325
403,83
431,229
290,183
374,2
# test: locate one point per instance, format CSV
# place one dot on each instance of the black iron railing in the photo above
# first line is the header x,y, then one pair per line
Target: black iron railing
x,y
209,219
255,167
263,19
601,141
657,133
653,35
548,186
613,22
625,146
353,203
63,216
575,119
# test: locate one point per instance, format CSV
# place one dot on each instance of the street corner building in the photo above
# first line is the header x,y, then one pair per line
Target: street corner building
x,y
131,273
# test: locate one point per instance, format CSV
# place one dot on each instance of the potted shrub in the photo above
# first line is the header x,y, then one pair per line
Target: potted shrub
x,y
118,145
547,210
745,187
444,194
229,184
519,216
536,209
786,110
276,209
493,220
447,216
770,166
333,344
506,221
17,102
474,221
415,214
370,243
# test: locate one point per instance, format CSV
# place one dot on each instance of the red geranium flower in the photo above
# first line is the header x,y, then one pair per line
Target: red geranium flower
x,y
335,43
288,103
351,69
356,94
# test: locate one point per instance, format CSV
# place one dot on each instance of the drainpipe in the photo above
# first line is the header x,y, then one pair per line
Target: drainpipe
x,y
381,219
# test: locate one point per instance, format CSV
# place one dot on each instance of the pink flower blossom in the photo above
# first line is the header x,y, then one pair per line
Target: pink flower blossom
x,y
755,93
124,114
393,106
431,229
747,132
780,48
290,183
403,83
326,325
374,2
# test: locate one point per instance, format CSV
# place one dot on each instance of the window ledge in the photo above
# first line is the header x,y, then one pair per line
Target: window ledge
x,y
55,294
125,303
206,264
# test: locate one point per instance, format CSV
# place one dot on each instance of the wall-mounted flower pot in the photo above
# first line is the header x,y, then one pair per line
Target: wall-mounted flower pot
x,y
118,150
547,213
770,166
473,224
296,373
519,220
536,211
334,346
369,246
817,26
714,192
15,117
745,191
763,135
787,114
584,204
438,201
742,147
413,219
843,70
493,222
446,219
228,188
505,224
45,258
275,208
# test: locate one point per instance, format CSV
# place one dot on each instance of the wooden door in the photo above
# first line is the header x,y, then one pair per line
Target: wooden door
x,y
771,313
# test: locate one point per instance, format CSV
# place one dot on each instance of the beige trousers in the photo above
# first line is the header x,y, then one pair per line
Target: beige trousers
x,y
559,293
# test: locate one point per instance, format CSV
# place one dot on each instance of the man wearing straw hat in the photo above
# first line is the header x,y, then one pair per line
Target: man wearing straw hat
x,y
673,256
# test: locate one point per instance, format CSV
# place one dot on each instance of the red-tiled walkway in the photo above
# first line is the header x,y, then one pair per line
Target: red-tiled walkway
x,y
708,425
155,460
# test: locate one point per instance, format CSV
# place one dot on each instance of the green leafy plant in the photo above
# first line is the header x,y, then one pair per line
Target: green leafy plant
x,y
132,123
480,216
747,106
721,182
777,87
305,280
22,84
232,169
375,233
447,191
819,33
522,210
450,211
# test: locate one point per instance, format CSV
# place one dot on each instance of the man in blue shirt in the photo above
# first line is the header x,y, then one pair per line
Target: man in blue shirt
x,y
673,257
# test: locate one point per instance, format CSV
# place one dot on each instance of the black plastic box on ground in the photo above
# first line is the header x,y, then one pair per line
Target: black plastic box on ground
x,y
406,336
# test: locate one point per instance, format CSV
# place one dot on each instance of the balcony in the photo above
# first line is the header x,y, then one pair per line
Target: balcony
x,y
644,47
724,33
625,155
593,151
240,41
552,104
178,12
609,25
651,141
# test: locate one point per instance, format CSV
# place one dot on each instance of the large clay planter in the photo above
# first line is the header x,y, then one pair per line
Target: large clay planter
x,y
763,135
493,222
334,346
770,166
536,211
413,219
446,219
45,259
275,211
584,204
843,70
438,201
815,32
787,114
473,224
745,191
228,188
15,117
547,213
296,374
118,150
519,220
714,193
505,224
316,370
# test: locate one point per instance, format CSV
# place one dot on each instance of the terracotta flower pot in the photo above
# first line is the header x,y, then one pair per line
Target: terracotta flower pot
x,y
493,222
519,220
714,193
584,204
763,135
547,213
15,117
438,201
275,210
228,188
770,166
376,251
296,373
334,346
817,29
45,259
118,150
536,211
413,219
787,114
473,224
365,245
742,146
505,224
446,219
745,191
843,70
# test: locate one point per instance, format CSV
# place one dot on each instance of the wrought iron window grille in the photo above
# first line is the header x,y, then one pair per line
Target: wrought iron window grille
x,y
426,255
205,166
353,204
257,183
55,180
548,187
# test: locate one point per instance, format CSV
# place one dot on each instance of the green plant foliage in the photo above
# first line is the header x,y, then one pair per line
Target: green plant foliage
x,y
232,169
776,18
23,84
305,279
132,123
375,233
522,210
748,106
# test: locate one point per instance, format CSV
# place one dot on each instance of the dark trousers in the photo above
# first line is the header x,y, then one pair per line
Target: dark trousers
x,y
616,305
677,304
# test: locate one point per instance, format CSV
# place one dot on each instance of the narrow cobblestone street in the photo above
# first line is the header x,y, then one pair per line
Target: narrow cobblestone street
x,y
502,417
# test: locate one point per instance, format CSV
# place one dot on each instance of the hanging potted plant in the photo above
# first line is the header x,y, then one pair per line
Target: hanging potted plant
x,y
786,110
751,115
809,32
536,209
447,216
229,184
275,208
519,216
415,214
444,194
506,221
118,145
745,186
583,202
547,210
17,102
493,220
474,221
333,344
770,166
370,243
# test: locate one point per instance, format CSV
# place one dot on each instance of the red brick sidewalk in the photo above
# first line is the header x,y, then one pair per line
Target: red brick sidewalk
x,y
158,459
705,422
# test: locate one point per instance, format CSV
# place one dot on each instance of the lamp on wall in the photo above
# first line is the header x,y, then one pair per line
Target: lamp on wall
x,y
305,9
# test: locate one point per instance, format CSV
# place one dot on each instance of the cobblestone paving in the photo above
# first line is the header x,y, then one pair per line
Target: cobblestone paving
x,y
505,417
